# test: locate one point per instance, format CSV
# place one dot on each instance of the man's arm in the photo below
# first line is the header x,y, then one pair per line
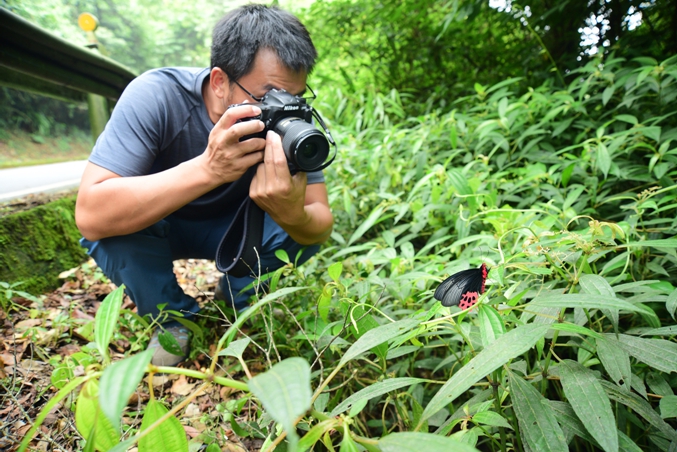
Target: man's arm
x,y
302,211
110,205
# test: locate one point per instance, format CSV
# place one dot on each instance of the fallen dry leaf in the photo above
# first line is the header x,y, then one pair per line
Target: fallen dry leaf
x,y
182,387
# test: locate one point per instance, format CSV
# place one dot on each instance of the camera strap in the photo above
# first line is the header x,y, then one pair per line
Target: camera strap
x,y
237,253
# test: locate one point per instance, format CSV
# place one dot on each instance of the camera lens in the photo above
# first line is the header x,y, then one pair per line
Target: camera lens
x,y
306,147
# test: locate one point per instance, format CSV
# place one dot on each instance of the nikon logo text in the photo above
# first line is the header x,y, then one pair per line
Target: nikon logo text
x,y
291,107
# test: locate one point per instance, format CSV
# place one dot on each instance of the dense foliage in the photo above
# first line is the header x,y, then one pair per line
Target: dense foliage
x,y
562,182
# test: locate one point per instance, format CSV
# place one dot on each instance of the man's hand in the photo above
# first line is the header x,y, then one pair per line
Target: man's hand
x,y
226,157
275,190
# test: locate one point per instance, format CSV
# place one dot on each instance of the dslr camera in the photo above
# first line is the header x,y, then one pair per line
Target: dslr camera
x,y
306,148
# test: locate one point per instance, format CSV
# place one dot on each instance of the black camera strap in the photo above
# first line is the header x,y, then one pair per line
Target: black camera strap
x,y
237,251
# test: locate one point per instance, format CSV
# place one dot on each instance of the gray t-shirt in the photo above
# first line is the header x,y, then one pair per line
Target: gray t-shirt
x,y
159,122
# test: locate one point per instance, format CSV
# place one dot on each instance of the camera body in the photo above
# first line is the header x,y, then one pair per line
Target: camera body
x,y
305,147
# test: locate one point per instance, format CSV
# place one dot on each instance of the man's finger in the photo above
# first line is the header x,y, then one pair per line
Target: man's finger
x,y
233,114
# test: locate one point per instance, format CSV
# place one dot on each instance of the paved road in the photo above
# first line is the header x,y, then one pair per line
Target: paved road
x,y
19,182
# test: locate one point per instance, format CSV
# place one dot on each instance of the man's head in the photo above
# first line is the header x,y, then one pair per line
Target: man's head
x,y
243,32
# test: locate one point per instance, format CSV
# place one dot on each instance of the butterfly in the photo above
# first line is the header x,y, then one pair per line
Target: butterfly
x,y
464,288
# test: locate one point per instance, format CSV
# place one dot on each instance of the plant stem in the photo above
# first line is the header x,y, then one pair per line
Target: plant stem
x,y
202,376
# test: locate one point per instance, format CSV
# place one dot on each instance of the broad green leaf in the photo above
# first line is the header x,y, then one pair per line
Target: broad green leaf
x,y
236,348
285,393
377,336
505,348
668,406
335,270
590,403
657,353
616,361
118,383
491,418
417,442
641,407
169,435
569,421
581,300
89,418
124,445
106,320
375,390
607,93
537,423
603,159
170,343
362,322
662,243
491,324
213,447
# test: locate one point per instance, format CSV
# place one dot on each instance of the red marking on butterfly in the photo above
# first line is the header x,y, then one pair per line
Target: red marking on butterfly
x,y
464,288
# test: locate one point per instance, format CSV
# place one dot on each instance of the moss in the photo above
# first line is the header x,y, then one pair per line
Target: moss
x,y
38,244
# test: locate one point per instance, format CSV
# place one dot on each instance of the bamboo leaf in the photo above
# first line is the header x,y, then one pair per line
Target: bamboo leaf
x,y
375,390
664,331
616,361
168,436
378,336
657,353
416,442
285,393
491,418
106,320
537,423
590,403
119,381
505,348
671,303
668,406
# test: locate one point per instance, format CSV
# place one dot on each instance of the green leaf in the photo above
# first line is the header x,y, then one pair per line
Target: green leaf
x,y
213,447
537,423
377,336
361,323
641,407
573,328
236,348
671,303
603,159
585,301
285,393
657,353
491,324
590,403
616,361
335,270
106,320
347,443
90,420
375,390
491,418
417,442
668,406
124,445
606,95
170,343
314,434
118,383
664,331
168,436
505,348
370,221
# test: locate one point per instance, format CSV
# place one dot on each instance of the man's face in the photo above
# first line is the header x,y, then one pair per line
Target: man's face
x,y
268,73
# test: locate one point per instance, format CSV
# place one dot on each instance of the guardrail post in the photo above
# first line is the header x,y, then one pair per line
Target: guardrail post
x,y
99,110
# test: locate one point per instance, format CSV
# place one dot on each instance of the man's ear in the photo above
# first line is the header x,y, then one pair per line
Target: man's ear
x,y
219,82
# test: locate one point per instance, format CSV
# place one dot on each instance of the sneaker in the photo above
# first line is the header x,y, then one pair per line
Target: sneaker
x,y
162,357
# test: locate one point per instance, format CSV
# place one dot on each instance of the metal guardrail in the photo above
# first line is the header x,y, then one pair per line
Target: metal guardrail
x,y
33,59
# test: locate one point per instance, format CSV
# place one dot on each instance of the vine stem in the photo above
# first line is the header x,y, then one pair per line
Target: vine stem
x,y
208,376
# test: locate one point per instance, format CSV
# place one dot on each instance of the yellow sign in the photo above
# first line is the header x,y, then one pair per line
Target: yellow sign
x,y
88,22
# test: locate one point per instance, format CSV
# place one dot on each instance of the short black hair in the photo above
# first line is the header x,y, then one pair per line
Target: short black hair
x,y
241,33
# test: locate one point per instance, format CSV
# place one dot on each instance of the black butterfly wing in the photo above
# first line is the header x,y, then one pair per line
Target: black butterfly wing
x,y
463,288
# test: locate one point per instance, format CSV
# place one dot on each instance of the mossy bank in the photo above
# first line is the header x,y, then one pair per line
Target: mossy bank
x,y
38,244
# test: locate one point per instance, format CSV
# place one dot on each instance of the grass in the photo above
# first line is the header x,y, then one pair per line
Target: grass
x,y
20,148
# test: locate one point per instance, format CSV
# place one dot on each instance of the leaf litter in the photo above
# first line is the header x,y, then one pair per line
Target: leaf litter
x,y
37,337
